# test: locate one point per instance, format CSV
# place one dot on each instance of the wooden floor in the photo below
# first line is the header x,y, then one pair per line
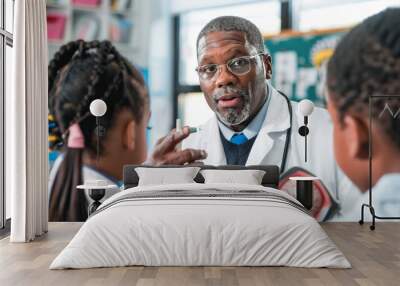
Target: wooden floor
x,y
374,255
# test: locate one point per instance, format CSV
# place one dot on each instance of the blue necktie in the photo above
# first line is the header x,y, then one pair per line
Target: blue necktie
x,y
239,138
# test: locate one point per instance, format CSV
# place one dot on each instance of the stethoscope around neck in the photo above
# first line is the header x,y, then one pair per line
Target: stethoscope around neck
x,y
288,133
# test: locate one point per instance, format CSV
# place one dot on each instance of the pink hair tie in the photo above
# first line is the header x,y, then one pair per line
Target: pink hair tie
x,y
75,138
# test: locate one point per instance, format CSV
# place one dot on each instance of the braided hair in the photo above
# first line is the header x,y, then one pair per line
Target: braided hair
x,y
79,73
367,63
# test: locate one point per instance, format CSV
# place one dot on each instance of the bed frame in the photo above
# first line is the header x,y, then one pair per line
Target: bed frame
x,y
270,179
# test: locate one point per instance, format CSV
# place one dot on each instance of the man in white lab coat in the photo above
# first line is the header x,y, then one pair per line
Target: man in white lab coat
x,y
251,119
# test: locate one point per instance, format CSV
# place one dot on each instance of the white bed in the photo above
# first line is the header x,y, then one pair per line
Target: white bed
x,y
201,224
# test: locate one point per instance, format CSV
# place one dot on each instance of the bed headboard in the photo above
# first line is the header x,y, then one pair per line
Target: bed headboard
x,y
270,179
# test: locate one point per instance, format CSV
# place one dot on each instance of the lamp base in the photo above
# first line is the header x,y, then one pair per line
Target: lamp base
x,y
304,190
304,193
96,191
96,195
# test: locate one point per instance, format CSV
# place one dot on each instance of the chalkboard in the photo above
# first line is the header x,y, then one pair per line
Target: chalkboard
x,y
299,63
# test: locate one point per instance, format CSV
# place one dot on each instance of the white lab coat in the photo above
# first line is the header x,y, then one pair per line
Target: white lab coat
x,y
269,144
385,199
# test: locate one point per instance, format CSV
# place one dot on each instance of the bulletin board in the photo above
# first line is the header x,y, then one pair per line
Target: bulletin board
x,y
299,62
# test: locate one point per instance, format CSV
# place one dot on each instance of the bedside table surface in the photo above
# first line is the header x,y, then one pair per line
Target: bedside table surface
x,y
303,178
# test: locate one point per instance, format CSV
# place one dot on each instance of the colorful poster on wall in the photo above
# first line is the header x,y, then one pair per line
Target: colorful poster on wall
x,y
299,63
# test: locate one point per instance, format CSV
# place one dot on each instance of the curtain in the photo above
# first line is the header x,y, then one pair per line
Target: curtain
x,y
26,123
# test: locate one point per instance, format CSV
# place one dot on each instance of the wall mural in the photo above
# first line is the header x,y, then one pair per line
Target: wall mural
x,y
299,63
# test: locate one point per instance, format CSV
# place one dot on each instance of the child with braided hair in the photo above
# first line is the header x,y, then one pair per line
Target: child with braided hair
x,y
367,63
79,73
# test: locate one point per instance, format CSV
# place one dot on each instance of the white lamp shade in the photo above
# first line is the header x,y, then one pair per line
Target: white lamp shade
x,y
98,107
305,107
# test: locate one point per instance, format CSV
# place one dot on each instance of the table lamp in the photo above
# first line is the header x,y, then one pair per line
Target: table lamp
x,y
97,188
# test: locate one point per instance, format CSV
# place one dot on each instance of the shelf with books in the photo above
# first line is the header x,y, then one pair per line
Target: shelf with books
x,y
122,13
56,25
120,29
121,6
90,9
91,4
55,43
86,26
113,20
57,4
123,48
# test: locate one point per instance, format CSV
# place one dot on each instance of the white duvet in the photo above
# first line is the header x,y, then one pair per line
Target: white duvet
x,y
183,230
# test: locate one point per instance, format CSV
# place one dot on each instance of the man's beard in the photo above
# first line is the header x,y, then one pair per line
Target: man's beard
x,y
233,116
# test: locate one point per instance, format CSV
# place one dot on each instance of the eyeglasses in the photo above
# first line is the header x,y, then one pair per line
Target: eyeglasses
x,y
237,66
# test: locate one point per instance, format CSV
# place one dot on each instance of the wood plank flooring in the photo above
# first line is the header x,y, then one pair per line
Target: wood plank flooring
x,y
374,255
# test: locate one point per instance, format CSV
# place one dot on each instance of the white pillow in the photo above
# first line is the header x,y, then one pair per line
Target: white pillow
x,y
164,176
248,177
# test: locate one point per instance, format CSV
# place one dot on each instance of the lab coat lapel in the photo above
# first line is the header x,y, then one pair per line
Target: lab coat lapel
x,y
215,150
277,119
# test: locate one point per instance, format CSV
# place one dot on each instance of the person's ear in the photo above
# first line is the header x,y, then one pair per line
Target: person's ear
x,y
267,61
356,130
129,135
